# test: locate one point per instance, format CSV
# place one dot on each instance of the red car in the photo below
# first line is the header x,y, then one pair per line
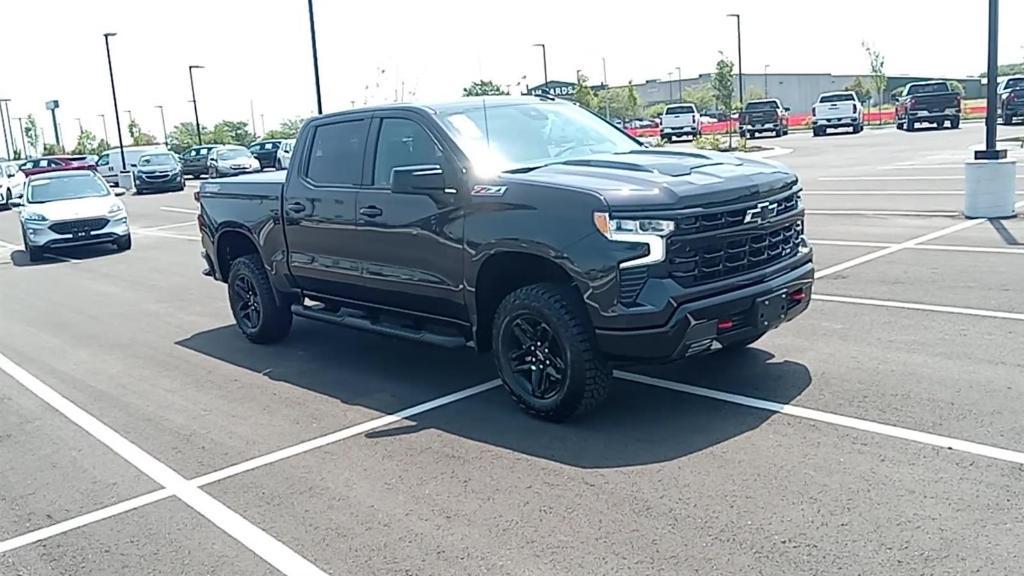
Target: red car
x,y
56,164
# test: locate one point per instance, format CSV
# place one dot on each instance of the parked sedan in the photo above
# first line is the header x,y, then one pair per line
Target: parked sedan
x,y
12,181
195,161
284,154
159,172
55,164
70,208
230,161
266,152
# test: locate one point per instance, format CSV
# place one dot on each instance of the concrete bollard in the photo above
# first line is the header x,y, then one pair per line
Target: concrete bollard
x,y
126,180
990,188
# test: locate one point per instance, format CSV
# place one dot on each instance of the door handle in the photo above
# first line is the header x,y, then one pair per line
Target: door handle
x,y
297,207
371,212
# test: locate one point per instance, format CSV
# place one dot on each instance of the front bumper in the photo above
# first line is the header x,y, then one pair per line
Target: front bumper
x,y
225,171
707,324
760,127
40,235
173,182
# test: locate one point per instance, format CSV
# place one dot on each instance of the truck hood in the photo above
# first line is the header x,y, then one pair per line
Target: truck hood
x,y
664,180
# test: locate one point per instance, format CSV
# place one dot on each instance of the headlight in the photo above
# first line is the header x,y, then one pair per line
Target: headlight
x,y
33,217
644,231
115,209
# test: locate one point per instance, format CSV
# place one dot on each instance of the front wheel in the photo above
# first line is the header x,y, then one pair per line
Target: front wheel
x,y
258,314
35,253
124,243
6,198
547,354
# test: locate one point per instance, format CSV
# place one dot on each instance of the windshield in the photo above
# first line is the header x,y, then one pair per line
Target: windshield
x,y
756,106
530,134
234,154
65,188
679,110
1014,83
829,98
157,160
933,88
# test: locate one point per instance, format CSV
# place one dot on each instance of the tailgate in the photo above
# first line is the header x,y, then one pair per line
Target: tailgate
x,y
833,109
678,120
933,102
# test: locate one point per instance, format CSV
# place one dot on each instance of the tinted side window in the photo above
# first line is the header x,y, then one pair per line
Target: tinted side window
x,y
402,143
336,156
104,160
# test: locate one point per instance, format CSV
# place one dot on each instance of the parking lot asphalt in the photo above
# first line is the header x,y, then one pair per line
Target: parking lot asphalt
x,y
879,433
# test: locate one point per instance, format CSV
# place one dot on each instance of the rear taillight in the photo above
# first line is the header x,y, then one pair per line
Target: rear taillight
x,y
814,110
958,100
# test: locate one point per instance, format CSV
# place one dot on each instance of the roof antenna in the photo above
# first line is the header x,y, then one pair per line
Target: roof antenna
x,y
487,127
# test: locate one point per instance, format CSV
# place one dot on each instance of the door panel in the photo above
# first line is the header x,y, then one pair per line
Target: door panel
x,y
410,244
320,208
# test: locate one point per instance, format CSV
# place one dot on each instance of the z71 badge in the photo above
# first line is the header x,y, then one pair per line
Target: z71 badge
x,y
482,190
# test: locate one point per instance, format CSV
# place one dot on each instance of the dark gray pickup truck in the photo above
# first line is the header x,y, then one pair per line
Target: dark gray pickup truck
x,y
524,226
932,102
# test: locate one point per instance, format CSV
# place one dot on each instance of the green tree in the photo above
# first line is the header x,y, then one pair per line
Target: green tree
x,y
183,136
585,95
101,147
138,136
1006,70
722,84
32,132
288,129
86,143
878,78
231,132
861,89
655,111
701,96
621,102
484,88
956,86
51,149
754,93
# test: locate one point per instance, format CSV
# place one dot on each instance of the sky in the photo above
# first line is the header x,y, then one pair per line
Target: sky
x,y
259,50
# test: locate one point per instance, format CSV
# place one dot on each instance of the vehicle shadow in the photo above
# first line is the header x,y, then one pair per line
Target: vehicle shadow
x,y
639,424
20,259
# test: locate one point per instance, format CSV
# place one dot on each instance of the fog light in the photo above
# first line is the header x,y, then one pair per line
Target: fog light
x,y
725,324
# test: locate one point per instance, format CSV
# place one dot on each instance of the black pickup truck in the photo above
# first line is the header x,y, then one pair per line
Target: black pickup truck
x,y
1011,99
526,226
933,102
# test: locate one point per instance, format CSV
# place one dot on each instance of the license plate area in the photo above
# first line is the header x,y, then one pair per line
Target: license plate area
x,y
770,311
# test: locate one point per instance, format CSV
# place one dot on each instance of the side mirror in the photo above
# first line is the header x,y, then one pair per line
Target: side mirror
x,y
118,191
423,179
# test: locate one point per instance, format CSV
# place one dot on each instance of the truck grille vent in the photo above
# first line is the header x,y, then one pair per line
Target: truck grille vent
x,y
73,226
631,282
698,261
733,217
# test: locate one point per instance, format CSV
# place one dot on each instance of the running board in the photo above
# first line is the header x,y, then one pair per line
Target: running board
x,y
353,319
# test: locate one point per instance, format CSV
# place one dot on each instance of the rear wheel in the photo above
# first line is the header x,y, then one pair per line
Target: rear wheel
x,y
6,198
909,125
546,352
817,131
954,123
258,314
779,132
858,128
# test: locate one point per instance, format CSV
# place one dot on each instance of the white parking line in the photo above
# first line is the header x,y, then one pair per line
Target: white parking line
x,y
920,166
925,307
179,210
836,419
882,213
896,248
155,496
166,234
866,178
936,247
167,226
264,545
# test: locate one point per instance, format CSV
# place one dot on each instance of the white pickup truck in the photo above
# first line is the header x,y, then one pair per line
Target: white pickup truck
x,y
680,120
837,110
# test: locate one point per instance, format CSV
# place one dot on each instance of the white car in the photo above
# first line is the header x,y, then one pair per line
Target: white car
x,y
231,161
680,120
12,180
284,154
71,208
837,110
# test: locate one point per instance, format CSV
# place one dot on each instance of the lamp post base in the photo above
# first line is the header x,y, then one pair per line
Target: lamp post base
x,y
990,187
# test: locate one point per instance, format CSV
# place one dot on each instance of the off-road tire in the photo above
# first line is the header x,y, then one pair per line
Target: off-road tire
x,y
588,377
275,320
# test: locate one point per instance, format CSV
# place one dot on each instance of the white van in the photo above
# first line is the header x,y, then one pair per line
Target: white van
x,y
109,163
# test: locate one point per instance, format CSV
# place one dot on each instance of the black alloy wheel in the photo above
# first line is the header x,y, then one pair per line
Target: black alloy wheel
x,y
247,303
536,357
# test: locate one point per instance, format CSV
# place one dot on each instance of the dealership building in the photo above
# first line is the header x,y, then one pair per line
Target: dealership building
x,y
798,91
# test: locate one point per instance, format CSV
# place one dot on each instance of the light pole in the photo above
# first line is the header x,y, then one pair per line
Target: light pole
x,y
263,123
990,152
316,60
80,129
103,117
3,127
252,116
739,53
131,118
670,86
544,56
21,128
113,91
604,71
766,80
679,79
195,105
163,123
